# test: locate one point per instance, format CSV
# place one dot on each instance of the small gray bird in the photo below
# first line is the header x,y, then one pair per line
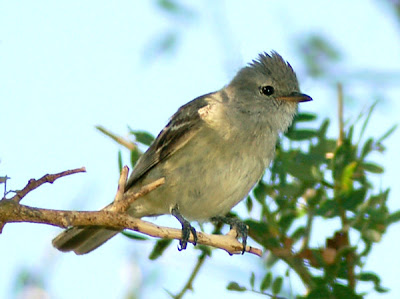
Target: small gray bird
x,y
211,153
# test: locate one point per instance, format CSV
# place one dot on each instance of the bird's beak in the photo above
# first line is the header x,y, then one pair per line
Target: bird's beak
x,y
296,97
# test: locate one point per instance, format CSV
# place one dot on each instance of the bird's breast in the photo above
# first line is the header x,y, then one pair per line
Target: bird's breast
x,y
217,174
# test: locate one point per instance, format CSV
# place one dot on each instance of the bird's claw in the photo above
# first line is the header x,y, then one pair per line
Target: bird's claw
x,y
186,229
239,226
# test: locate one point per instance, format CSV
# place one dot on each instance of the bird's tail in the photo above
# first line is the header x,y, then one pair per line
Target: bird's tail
x,y
83,240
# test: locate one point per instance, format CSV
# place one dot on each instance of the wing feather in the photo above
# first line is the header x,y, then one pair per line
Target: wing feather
x,y
181,128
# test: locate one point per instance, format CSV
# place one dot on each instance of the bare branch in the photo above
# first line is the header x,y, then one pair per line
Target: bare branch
x,y
189,284
48,178
121,184
123,205
340,114
12,211
128,144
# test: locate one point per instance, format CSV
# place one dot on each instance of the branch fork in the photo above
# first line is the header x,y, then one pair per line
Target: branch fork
x,y
113,216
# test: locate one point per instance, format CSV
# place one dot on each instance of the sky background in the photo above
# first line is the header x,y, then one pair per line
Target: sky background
x,y
66,66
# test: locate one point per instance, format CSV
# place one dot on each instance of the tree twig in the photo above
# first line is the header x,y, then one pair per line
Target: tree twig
x,y
123,205
307,233
48,178
343,216
340,114
121,185
189,283
128,144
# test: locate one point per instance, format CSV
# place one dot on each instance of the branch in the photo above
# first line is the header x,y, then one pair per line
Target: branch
x,y
340,114
48,178
289,256
342,211
12,211
189,283
128,144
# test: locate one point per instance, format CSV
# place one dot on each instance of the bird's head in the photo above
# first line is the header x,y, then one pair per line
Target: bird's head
x,y
268,88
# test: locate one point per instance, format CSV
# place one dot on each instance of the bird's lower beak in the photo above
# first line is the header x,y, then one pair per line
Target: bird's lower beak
x,y
296,97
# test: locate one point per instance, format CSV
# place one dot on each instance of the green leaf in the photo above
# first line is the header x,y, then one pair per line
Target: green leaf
x,y
367,148
166,43
318,151
344,155
252,280
375,279
323,129
304,116
387,134
364,126
159,248
321,291
347,177
175,8
258,228
350,133
318,54
302,134
277,285
168,5
394,217
234,286
120,161
351,200
286,220
134,236
261,233
249,203
143,137
260,192
135,155
298,165
371,167
341,291
266,282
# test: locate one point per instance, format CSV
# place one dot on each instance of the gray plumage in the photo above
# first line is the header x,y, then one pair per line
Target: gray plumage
x,y
212,152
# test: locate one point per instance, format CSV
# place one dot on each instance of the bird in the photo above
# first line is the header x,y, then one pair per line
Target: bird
x,y
212,152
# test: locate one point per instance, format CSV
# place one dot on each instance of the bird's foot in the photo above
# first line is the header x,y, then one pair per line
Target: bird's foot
x,y
238,225
186,229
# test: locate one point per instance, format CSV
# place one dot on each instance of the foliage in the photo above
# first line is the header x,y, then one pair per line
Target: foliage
x,y
314,177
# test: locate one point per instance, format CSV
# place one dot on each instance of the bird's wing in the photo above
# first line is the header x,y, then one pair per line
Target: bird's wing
x,y
183,125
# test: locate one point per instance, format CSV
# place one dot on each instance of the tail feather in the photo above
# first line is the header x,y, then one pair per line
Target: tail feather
x,y
83,240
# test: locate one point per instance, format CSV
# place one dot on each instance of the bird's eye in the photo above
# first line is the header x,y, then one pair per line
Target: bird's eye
x,y
267,90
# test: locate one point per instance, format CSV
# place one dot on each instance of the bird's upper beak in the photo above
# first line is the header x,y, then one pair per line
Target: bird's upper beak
x,y
296,97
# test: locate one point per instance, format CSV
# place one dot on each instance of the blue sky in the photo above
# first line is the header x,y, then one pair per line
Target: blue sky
x,y
66,66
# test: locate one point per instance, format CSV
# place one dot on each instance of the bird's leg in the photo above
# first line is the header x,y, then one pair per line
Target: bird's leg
x,y
186,229
238,225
